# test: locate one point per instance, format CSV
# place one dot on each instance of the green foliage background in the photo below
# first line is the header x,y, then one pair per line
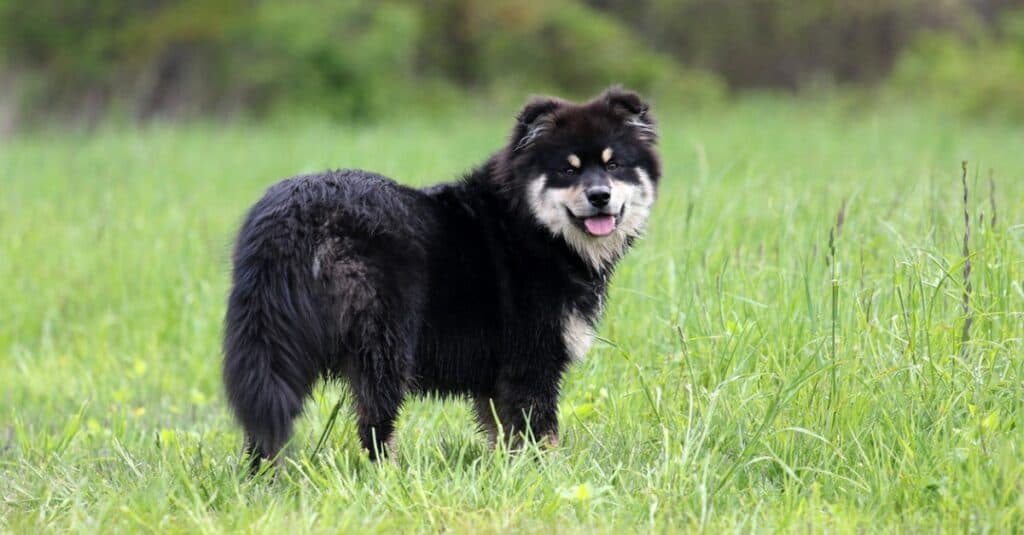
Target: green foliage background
x,y
355,59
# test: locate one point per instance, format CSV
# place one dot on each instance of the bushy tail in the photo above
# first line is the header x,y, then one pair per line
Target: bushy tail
x,y
273,342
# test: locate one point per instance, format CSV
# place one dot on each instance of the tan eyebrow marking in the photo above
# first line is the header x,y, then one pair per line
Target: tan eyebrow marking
x,y
575,161
606,155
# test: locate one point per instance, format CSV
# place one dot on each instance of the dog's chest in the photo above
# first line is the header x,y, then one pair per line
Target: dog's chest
x,y
577,333
580,316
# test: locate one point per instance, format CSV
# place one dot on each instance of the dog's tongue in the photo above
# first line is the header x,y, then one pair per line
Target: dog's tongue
x,y
600,225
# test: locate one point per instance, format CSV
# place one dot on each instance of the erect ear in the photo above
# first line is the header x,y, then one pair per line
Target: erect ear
x,y
536,118
633,110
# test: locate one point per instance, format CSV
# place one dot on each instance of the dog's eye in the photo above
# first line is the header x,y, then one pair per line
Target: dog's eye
x,y
569,171
611,166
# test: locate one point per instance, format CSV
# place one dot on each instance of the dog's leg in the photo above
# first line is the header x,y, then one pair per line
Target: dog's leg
x,y
376,322
527,407
378,401
485,418
380,384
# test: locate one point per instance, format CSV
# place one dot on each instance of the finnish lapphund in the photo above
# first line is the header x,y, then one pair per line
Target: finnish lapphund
x,y
487,287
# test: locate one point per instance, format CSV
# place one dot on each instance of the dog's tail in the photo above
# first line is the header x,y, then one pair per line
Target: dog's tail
x,y
273,335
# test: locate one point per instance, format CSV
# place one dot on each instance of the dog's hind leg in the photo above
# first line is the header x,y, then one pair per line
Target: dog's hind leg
x,y
377,406
379,384
377,337
374,295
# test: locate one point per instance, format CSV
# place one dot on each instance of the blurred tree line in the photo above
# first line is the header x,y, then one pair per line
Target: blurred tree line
x,y
358,59
790,43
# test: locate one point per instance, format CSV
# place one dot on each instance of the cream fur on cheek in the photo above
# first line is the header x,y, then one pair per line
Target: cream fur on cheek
x,y
551,207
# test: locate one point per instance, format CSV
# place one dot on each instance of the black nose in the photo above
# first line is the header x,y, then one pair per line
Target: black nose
x,y
599,195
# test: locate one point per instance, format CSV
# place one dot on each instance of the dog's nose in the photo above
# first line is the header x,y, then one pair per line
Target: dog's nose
x,y
599,195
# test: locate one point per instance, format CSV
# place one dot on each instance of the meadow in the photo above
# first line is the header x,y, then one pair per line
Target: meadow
x,y
784,351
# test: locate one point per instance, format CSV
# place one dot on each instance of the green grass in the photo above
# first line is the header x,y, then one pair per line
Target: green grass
x,y
737,387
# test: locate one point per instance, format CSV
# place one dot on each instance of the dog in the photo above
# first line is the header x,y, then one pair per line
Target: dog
x,y
486,288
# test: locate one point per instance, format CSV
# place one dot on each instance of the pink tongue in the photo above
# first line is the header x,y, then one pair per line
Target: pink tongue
x,y
600,225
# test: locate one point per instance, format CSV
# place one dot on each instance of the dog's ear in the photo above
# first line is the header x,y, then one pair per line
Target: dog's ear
x,y
633,111
536,118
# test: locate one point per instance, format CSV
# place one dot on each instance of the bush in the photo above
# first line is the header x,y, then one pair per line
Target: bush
x,y
349,59
982,75
84,56
562,46
581,50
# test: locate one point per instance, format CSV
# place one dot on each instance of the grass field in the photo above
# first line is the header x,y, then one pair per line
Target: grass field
x,y
750,378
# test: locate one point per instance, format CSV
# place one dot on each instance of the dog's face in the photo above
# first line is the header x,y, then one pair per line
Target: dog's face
x,y
588,172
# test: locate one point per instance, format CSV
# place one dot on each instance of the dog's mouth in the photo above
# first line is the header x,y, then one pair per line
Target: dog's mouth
x,y
597,225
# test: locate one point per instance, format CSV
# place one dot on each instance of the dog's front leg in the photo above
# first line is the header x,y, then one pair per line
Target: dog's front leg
x,y
526,404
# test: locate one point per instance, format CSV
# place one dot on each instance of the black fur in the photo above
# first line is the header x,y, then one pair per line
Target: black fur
x,y
453,289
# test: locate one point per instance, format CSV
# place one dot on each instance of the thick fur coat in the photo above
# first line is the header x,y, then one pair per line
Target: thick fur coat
x,y
488,287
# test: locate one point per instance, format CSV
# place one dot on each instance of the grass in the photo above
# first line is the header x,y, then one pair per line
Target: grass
x,y
767,363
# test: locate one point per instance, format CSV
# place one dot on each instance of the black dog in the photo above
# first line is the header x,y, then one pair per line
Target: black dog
x,y
487,287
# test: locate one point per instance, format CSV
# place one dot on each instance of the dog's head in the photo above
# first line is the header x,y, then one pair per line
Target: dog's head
x,y
588,173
